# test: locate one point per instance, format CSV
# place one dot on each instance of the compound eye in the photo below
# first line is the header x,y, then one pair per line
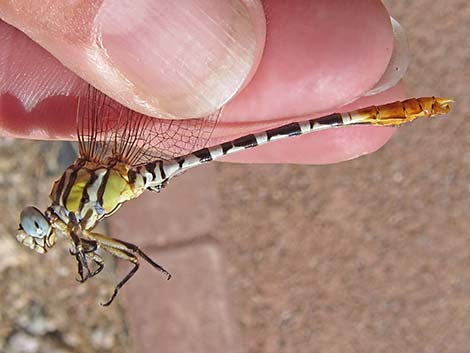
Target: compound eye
x,y
34,223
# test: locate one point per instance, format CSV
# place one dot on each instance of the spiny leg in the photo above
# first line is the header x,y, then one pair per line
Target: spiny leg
x,y
99,263
82,263
88,246
83,249
80,256
91,256
126,256
108,242
88,249
139,252
125,251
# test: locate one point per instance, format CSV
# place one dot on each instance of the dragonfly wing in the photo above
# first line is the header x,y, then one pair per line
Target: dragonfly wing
x,y
106,129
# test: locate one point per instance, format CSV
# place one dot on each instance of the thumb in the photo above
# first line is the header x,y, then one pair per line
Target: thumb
x,y
161,58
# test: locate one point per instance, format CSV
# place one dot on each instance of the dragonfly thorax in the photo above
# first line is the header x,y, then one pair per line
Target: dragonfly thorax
x,y
91,191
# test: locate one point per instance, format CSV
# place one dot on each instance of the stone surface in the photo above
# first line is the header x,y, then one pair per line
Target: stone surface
x,y
42,307
185,210
189,313
370,255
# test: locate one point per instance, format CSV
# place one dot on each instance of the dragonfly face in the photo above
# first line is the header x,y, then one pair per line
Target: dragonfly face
x,y
35,230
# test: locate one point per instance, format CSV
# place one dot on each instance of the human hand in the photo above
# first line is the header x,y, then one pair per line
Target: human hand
x,y
318,56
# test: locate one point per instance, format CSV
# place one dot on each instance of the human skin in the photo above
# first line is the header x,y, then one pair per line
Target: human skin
x,y
318,57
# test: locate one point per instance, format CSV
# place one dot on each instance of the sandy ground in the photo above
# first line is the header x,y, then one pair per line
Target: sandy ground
x,y
43,309
371,255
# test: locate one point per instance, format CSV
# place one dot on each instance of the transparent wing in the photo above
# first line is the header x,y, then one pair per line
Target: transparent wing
x,y
106,129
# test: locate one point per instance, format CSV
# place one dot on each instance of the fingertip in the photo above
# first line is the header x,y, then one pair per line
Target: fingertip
x,y
319,55
179,60
161,58
399,61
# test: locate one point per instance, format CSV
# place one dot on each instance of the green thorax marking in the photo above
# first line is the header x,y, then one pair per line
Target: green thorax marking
x,y
88,185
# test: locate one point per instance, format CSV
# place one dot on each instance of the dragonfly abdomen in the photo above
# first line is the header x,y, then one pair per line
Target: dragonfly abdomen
x,y
156,173
393,114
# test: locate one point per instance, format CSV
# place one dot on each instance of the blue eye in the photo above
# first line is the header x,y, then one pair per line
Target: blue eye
x,y
34,223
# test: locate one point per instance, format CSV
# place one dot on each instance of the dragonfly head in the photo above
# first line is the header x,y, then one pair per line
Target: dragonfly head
x,y
35,230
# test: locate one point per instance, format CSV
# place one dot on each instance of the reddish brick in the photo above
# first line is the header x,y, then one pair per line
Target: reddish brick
x,y
189,313
184,210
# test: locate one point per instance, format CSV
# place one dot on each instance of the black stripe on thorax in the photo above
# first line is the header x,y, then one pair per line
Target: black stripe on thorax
x,y
102,188
58,191
329,120
85,197
291,129
73,176
68,187
131,176
162,171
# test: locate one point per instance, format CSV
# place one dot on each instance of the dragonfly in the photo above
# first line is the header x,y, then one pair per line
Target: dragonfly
x,y
123,154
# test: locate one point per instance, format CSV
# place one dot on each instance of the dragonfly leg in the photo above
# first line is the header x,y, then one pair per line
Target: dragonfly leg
x,y
126,256
108,242
125,251
88,246
98,262
83,268
82,247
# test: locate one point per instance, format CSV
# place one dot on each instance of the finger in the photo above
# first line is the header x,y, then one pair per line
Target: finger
x,y
37,93
162,58
250,106
31,75
319,55
331,54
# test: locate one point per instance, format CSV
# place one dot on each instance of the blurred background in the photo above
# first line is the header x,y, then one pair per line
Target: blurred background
x,y
370,255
